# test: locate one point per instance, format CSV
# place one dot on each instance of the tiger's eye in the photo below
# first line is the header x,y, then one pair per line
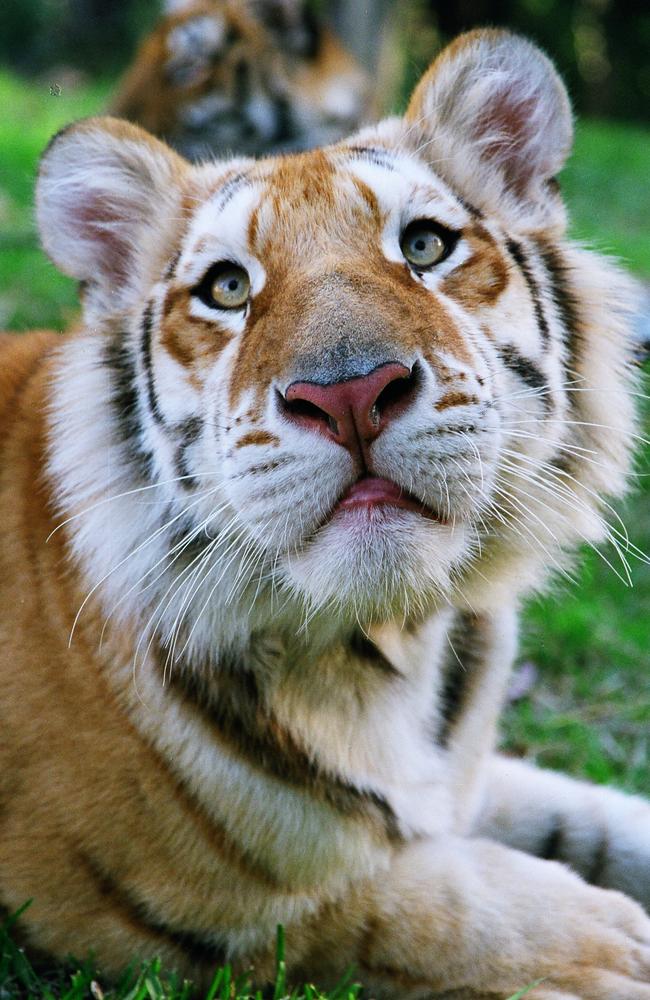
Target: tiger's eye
x,y
230,287
224,286
423,244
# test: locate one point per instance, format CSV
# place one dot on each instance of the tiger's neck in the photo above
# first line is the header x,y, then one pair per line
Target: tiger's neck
x,y
366,753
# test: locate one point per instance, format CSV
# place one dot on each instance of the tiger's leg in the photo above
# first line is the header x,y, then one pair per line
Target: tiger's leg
x,y
604,835
456,917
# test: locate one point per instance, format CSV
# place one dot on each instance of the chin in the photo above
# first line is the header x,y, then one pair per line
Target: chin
x,y
376,564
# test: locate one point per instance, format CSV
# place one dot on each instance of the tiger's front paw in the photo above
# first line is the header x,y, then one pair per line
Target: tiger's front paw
x,y
474,919
610,957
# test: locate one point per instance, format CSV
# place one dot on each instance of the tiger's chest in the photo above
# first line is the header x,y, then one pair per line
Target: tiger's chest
x,y
317,791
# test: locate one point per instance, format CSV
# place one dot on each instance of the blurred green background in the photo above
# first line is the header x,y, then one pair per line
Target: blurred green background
x,y
584,698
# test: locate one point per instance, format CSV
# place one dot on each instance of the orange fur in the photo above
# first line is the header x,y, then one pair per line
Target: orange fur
x,y
227,701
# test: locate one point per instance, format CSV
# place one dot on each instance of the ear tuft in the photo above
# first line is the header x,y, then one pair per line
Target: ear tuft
x,y
494,105
104,187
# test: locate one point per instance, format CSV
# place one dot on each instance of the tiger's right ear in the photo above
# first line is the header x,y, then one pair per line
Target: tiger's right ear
x,y
107,192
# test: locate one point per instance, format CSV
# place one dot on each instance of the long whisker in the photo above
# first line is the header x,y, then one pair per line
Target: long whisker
x,y
129,555
627,580
126,493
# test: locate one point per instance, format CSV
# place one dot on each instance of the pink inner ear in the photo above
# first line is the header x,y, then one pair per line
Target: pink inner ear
x,y
506,129
104,224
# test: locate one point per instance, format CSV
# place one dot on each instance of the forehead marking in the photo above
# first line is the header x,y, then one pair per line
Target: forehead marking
x,y
377,156
371,200
230,189
426,183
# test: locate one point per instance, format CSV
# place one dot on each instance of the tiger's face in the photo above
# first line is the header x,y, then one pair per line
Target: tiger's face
x,y
338,358
253,77
345,370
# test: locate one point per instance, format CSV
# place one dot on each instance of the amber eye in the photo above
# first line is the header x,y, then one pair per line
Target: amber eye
x,y
425,243
225,286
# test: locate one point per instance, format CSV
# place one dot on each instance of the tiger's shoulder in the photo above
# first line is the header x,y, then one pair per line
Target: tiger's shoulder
x,y
216,77
21,355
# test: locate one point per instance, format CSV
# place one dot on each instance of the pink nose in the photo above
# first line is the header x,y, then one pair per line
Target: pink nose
x,y
355,411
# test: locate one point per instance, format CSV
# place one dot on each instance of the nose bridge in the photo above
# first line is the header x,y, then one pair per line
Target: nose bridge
x,y
345,332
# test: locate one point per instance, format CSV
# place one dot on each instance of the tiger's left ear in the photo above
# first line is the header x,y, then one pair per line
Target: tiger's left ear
x,y
496,119
107,205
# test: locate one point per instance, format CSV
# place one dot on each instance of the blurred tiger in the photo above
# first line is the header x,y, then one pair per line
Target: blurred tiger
x,y
243,76
267,517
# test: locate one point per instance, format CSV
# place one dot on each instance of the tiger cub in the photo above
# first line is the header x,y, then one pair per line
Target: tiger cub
x,y
267,517
245,76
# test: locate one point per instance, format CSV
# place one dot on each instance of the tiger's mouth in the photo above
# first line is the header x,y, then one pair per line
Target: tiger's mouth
x,y
372,492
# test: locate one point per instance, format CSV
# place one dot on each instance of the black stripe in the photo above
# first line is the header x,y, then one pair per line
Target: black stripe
x,y
564,300
125,402
463,662
235,707
170,270
527,370
596,871
467,205
189,431
230,188
145,346
198,947
551,847
519,256
380,157
364,649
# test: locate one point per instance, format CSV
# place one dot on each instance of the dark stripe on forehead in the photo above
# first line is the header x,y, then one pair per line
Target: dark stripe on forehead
x,y
230,189
233,705
526,370
199,948
518,254
381,157
376,155
145,348
124,402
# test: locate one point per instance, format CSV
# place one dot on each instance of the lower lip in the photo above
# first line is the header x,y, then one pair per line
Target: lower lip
x,y
372,492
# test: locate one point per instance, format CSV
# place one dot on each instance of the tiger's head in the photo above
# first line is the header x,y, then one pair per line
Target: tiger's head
x,y
252,77
363,381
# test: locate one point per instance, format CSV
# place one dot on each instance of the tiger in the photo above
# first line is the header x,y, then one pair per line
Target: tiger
x,y
268,514
243,76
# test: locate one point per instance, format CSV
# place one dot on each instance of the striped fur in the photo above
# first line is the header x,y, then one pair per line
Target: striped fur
x,y
229,701
245,76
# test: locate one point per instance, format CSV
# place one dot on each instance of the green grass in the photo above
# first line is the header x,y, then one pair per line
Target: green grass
x,y
32,292
20,980
589,711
